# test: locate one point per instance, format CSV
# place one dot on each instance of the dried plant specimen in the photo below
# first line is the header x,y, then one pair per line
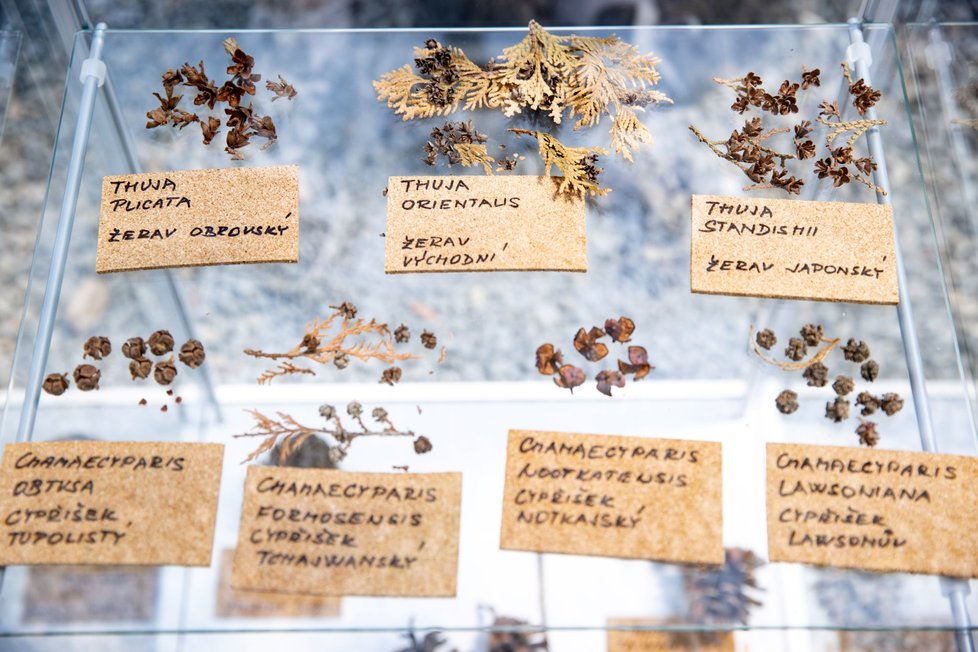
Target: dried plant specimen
x,y
837,410
869,403
569,377
891,404
160,342
723,595
766,338
134,348
867,434
86,377
843,385
192,353
244,124
402,334
787,402
140,368
608,379
55,384
638,363
428,339
550,361
586,343
816,374
281,88
619,330
97,347
586,77
288,434
578,165
337,339
165,371
391,375
870,370
767,167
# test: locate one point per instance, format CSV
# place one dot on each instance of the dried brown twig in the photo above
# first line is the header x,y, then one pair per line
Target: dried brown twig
x,y
290,435
767,167
333,340
340,338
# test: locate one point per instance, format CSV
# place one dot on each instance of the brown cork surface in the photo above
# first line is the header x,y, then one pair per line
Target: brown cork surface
x,y
494,224
88,502
631,497
328,532
649,641
793,249
236,603
873,509
190,218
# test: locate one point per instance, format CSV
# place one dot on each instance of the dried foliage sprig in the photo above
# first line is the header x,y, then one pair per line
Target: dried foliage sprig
x,y
289,435
338,339
244,124
550,360
767,167
580,76
816,374
578,165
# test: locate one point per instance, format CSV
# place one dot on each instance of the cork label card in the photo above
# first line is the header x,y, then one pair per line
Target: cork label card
x,y
483,224
793,249
190,218
629,497
623,639
93,502
327,532
235,603
873,509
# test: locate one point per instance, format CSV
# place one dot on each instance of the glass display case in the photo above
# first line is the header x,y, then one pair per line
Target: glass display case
x,y
707,383
9,47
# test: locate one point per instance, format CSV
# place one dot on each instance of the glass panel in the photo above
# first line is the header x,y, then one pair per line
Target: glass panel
x,y
707,385
9,45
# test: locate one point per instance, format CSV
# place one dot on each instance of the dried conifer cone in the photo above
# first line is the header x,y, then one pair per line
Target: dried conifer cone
x,y
837,410
428,339
165,372
55,384
870,370
816,374
856,351
787,402
160,342
391,375
891,404
97,347
867,434
869,402
402,334
843,385
192,354
766,339
796,349
140,368
134,348
812,334
87,377
422,445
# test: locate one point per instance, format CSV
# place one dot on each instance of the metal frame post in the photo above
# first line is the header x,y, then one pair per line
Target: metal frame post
x,y
956,591
92,77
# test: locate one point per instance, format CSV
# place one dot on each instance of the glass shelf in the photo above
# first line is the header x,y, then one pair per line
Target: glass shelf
x,y
943,59
707,385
